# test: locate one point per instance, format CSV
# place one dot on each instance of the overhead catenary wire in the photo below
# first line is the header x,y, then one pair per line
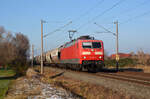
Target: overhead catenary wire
x,y
76,19
101,14
107,31
130,10
135,17
89,10
57,29
136,7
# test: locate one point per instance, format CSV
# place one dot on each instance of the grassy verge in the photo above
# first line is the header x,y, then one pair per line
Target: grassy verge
x,y
5,79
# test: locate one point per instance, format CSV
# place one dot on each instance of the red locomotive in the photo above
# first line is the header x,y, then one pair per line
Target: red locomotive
x,y
82,53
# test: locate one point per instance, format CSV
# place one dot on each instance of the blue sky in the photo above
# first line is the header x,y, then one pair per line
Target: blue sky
x,y
133,17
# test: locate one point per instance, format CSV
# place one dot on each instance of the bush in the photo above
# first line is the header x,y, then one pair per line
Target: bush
x,y
19,66
122,62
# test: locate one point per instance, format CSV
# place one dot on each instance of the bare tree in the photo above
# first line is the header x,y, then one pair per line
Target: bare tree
x,y
21,44
142,58
21,53
14,50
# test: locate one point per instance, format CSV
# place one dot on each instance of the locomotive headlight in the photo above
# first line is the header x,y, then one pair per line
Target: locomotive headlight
x,y
100,57
98,53
86,53
84,57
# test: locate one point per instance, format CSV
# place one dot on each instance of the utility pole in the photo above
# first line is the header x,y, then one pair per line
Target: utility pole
x,y
42,46
32,55
71,35
117,46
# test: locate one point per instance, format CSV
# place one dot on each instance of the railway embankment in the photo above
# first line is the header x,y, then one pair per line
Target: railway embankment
x,y
33,86
92,86
66,84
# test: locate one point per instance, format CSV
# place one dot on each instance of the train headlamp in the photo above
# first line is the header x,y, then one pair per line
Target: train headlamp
x,y
100,57
84,57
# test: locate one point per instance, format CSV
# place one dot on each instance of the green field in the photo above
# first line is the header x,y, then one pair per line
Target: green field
x,y
5,78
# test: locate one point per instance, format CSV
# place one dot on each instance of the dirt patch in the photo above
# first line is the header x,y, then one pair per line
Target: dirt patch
x,y
30,73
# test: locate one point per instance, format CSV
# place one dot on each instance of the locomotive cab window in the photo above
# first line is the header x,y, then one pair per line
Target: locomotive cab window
x,y
87,44
96,44
91,45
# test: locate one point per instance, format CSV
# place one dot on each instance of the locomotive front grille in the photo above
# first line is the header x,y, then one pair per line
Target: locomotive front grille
x,y
87,62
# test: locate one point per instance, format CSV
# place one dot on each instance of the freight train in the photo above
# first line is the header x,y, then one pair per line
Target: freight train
x,y
84,53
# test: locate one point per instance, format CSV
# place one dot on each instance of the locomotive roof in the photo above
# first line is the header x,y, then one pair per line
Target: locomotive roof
x,y
86,37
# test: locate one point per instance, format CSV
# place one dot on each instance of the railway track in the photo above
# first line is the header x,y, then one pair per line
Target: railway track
x,y
140,78
127,77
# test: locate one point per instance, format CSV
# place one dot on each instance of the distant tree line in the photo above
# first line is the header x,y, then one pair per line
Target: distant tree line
x,y
14,51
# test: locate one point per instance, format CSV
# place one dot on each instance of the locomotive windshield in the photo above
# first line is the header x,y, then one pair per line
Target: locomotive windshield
x,y
91,45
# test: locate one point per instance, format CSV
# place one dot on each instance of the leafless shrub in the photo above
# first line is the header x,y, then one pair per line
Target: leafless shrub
x,y
142,58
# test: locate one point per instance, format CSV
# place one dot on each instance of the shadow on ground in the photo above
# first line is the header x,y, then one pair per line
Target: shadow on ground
x,y
57,75
9,77
113,70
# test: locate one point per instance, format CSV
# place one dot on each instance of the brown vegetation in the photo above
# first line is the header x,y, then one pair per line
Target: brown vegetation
x,y
132,59
141,57
84,89
14,50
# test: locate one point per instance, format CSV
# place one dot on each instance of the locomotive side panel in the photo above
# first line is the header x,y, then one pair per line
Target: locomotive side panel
x,y
70,54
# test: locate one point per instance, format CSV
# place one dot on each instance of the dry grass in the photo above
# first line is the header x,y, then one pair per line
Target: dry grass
x,y
86,90
17,97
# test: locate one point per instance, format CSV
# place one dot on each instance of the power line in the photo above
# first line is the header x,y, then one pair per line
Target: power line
x,y
57,29
84,14
89,10
105,11
107,30
130,10
137,6
136,17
